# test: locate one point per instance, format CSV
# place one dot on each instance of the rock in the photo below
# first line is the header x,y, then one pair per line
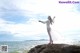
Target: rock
x,y
55,48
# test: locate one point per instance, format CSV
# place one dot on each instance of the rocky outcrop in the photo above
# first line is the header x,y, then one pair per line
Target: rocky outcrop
x,y
55,48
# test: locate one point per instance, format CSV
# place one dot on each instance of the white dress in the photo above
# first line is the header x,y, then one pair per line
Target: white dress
x,y
48,25
57,38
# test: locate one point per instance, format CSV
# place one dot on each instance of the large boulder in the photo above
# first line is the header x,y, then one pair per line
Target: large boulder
x,y
55,48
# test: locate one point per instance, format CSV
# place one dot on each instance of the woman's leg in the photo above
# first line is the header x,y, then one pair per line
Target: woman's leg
x,y
51,41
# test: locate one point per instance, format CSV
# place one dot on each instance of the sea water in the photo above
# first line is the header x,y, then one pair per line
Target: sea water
x,y
21,45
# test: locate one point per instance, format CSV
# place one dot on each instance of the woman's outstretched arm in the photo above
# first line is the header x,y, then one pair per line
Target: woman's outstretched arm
x,y
53,19
42,21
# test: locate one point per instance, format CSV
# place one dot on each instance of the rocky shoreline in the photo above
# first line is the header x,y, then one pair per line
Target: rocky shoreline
x,y
55,48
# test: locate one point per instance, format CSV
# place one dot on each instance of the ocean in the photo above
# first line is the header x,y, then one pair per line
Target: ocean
x,y
20,46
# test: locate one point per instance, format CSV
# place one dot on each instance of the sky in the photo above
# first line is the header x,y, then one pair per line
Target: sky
x,y
19,19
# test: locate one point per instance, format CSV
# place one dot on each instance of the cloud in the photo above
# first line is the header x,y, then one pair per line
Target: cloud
x,y
10,12
19,23
77,8
15,17
48,7
20,18
34,28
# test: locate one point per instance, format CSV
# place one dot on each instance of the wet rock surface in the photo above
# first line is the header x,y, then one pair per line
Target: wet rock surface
x,y
55,48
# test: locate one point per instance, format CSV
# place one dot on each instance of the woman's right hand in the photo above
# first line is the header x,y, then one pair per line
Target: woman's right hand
x,y
39,21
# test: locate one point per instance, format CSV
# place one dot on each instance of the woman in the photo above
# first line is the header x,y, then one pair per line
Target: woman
x,y
48,23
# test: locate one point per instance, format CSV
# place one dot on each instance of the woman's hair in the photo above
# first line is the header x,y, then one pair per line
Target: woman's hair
x,y
49,17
